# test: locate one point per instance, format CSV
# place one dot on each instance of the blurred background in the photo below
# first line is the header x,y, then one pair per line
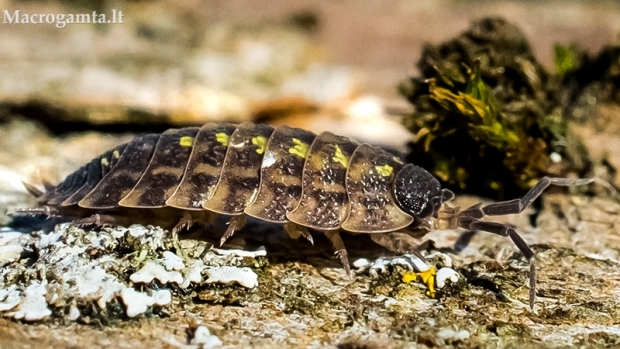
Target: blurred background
x,y
487,95
68,94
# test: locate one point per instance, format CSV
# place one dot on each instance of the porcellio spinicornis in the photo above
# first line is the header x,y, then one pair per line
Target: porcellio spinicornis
x,y
288,176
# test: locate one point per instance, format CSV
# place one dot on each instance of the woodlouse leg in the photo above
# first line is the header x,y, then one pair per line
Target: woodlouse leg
x,y
295,231
103,219
236,223
341,252
190,218
463,241
177,245
399,243
186,221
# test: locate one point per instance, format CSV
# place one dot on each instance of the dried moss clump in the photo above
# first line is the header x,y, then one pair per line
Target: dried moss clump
x,y
594,82
488,115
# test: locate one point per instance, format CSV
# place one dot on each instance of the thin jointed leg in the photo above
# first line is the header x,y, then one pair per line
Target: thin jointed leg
x,y
100,220
295,231
185,222
399,243
341,252
236,223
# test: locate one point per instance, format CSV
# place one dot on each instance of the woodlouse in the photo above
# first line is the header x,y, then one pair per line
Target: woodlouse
x,y
284,175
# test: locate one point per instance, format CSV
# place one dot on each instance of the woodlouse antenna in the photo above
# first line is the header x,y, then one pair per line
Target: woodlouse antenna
x,y
470,218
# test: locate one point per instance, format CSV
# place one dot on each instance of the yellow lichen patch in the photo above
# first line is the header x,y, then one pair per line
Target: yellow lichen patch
x,y
261,143
340,158
385,170
222,138
104,162
116,154
300,149
426,277
186,141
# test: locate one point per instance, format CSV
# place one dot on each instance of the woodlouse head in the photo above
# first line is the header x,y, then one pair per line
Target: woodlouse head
x,y
418,193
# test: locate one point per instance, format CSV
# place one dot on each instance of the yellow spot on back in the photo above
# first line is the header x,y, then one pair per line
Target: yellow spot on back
x,y
116,154
300,149
223,138
260,142
385,170
339,157
104,162
186,141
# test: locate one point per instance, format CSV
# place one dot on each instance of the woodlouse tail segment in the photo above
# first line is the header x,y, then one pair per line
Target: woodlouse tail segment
x,y
33,190
470,218
341,251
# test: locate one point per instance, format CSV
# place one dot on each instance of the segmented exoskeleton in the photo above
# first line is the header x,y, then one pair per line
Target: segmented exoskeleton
x,y
285,175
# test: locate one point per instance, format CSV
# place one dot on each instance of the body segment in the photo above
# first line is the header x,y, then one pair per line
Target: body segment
x,y
324,201
240,177
281,174
369,186
203,168
165,170
125,174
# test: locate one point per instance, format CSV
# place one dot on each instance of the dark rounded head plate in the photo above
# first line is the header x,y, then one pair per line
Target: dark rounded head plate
x,y
417,191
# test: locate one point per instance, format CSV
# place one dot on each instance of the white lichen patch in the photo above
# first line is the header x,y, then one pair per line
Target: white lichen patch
x,y
448,334
9,298
10,245
408,262
172,262
74,313
92,283
154,270
193,273
411,262
204,338
444,275
146,238
241,253
226,275
33,306
138,302
77,269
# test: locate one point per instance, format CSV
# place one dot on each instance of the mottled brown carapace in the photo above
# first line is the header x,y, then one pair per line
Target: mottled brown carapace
x,y
288,176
